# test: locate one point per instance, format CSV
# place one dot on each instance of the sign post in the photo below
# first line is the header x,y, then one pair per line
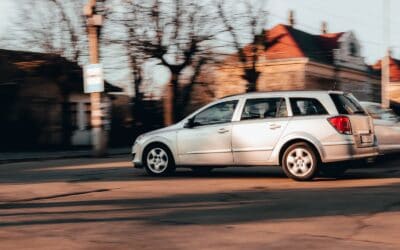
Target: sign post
x,y
94,83
93,78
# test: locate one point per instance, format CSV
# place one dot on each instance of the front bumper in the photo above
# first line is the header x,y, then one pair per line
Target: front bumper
x,y
137,156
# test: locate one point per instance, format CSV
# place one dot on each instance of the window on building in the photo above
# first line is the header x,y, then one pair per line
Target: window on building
x,y
73,109
88,119
262,108
307,106
353,49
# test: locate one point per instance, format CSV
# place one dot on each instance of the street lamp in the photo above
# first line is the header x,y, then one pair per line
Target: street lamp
x,y
385,76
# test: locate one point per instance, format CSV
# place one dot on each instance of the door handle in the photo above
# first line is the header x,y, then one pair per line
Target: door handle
x,y
222,130
274,126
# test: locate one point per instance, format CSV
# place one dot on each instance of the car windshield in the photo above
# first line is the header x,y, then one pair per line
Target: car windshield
x,y
347,104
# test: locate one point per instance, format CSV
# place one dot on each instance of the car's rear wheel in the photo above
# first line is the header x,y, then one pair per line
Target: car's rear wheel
x,y
299,162
158,160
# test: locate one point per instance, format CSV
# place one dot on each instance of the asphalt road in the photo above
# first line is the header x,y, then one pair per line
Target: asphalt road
x,y
106,204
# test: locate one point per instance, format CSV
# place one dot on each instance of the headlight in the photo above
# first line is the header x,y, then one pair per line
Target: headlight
x,y
139,138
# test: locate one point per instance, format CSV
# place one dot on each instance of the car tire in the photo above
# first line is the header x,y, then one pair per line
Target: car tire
x,y
202,170
299,162
158,160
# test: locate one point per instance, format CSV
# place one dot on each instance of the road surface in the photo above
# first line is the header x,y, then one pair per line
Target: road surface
x,y
106,204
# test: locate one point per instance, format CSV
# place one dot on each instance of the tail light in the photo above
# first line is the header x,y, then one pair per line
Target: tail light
x,y
341,124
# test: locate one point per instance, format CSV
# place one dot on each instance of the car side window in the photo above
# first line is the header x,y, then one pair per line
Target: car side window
x,y
307,106
262,108
218,113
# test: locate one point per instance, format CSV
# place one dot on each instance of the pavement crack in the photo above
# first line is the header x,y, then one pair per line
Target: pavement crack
x,y
361,224
61,195
347,239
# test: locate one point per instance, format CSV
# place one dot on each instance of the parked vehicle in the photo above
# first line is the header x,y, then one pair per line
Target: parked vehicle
x,y
387,127
299,130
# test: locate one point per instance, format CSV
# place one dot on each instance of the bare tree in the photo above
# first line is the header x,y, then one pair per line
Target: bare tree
x,y
176,32
50,26
173,32
246,27
125,34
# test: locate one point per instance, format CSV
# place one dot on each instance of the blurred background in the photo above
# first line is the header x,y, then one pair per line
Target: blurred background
x,y
162,59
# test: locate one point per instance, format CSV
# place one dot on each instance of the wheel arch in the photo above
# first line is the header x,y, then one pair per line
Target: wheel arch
x,y
157,143
288,143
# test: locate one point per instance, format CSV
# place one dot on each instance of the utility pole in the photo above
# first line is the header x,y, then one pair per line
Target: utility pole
x,y
385,78
94,23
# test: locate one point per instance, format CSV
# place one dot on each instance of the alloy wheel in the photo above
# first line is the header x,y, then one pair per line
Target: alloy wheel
x,y
299,162
157,160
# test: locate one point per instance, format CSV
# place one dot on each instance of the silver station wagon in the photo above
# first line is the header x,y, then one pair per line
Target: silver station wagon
x,y
298,130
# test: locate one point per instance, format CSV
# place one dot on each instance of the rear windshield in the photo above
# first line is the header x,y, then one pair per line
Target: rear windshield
x,y
347,104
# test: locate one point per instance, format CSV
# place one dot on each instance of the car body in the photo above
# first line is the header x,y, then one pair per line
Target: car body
x,y
387,127
258,129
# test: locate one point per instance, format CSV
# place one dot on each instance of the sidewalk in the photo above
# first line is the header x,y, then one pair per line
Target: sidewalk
x,y
51,155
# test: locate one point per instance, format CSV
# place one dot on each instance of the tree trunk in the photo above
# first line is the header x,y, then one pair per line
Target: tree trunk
x,y
251,76
137,108
171,100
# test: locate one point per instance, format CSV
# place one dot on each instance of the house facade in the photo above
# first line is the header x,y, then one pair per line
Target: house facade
x,y
42,103
297,60
394,73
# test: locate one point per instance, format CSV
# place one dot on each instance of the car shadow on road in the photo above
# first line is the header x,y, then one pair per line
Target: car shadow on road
x,y
211,208
117,170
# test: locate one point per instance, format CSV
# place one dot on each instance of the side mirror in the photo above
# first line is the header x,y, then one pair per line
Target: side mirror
x,y
189,123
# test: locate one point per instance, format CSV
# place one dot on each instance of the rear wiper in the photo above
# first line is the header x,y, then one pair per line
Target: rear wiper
x,y
359,112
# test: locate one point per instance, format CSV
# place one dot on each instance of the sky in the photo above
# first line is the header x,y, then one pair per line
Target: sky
x,y
7,8
364,17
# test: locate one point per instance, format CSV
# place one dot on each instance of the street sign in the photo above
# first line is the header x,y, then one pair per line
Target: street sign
x,y
93,78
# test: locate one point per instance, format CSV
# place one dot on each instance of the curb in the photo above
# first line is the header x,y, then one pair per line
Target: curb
x,y
57,157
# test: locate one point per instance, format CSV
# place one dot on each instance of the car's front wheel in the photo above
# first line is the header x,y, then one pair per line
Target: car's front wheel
x,y
158,160
299,162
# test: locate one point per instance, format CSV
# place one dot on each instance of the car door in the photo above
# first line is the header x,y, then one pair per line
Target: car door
x,y
208,140
387,127
261,124
387,130
388,135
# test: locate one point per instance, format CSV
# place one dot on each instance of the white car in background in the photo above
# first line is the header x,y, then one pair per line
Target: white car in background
x,y
387,127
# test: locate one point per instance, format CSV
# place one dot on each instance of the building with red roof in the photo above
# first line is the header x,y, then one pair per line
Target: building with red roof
x,y
394,73
297,60
394,69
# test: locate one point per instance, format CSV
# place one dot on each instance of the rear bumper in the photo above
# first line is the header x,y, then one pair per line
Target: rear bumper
x,y
347,152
